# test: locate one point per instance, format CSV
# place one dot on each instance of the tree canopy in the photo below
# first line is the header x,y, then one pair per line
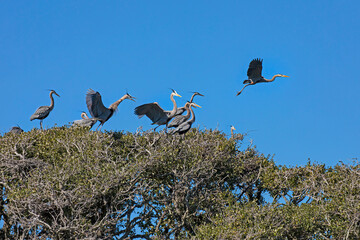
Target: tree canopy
x,y
71,183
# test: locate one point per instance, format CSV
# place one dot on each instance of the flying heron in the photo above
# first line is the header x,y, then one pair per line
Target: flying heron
x,y
85,121
97,108
42,112
186,126
181,110
254,74
156,114
179,119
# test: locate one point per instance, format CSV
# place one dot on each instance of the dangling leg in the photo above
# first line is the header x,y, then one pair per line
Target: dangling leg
x,y
243,89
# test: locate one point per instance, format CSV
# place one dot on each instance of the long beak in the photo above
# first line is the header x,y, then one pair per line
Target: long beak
x,y
176,94
284,76
57,94
132,98
196,105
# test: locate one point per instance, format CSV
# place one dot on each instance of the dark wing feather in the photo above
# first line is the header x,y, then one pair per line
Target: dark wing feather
x,y
95,104
255,68
152,111
41,113
183,128
177,120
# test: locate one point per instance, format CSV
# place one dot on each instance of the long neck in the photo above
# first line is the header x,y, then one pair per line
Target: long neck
x,y
52,100
173,111
192,115
84,116
115,105
192,97
272,79
232,132
187,107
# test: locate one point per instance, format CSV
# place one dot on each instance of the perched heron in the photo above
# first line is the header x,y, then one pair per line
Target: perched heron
x,y
97,108
254,74
16,130
42,112
186,126
181,110
85,121
158,115
232,131
179,119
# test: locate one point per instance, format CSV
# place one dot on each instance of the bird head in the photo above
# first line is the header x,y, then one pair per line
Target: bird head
x,y
197,93
128,96
175,93
282,75
194,105
53,91
232,127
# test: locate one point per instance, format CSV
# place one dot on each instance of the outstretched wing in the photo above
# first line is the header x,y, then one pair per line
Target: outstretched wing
x,y
255,68
95,104
152,111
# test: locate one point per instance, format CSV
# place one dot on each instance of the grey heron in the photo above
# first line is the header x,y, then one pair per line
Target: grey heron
x,y
254,74
186,126
16,130
85,121
156,114
179,119
97,108
42,112
181,110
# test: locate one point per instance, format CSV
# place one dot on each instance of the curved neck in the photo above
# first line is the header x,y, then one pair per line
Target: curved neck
x,y
232,132
192,97
173,111
187,107
84,115
192,115
115,105
52,100
273,78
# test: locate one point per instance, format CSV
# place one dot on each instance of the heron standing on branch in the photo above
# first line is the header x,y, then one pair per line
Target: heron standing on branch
x,y
42,112
254,74
85,121
158,115
186,126
97,108
179,119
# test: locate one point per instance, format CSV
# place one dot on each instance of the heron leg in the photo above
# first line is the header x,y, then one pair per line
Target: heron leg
x,y
41,126
243,89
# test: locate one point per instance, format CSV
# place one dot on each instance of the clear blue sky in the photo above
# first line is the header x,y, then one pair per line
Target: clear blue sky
x,y
147,47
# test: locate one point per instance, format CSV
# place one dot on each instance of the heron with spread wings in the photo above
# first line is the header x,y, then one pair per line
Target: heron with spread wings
x,y
42,112
186,126
254,74
156,114
97,108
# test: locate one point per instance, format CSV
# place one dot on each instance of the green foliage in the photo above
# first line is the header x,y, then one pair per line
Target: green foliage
x,y
72,183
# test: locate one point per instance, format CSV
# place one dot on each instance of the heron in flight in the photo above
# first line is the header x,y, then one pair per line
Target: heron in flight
x,y
179,119
181,110
186,126
97,108
254,74
156,114
42,112
85,121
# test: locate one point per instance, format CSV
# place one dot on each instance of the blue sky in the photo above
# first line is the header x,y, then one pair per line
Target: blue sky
x,y
147,47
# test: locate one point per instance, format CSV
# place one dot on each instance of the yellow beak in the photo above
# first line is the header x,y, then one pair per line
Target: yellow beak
x,y
177,95
196,105
284,76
